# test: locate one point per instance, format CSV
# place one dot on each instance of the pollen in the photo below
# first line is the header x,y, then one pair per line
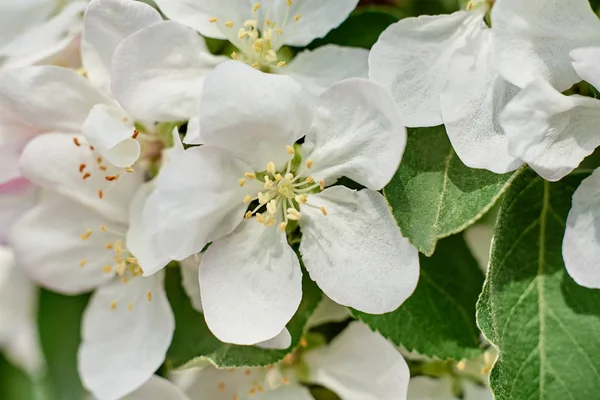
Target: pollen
x,y
256,7
290,150
103,228
113,305
213,20
229,24
135,134
323,211
221,386
86,175
297,17
111,178
86,235
100,194
107,269
242,182
82,262
149,295
76,141
250,175
130,306
129,169
81,167
309,163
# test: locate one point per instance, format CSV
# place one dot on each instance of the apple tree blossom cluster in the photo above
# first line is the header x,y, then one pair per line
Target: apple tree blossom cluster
x,y
299,199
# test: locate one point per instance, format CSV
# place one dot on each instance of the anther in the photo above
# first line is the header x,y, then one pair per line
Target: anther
x,y
323,210
242,33
86,175
256,7
250,175
86,235
135,134
82,262
99,160
301,198
103,228
289,176
107,269
247,199
297,17
130,306
290,150
279,31
250,23
289,3
248,215
255,65
100,194
221,386
310,179
272,206
229,24
149,296
234,56
242,182
129,169
81,168
102,168
258,45
113,305
281,64
76,141
282,226
214,19
293,214
109,246
259,218
322,184
278,177
309,163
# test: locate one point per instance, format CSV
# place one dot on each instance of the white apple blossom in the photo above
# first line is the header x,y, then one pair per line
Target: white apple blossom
x,y
357,365
157,388
171,59
40,32
75,240
440,70
250,277
426,388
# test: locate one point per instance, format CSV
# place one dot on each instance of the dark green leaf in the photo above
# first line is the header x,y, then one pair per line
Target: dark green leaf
x,y
14,383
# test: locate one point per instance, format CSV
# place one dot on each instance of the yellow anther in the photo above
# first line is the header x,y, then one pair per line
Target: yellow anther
x,y
289,176
263,198
248,215
107,269
130,306
271,55
272,206
301,198
256,7
82,262
285,380
293,214
271,168
278,177
108,246
129,169
322,184
297,17
103,228
137,271
121,268
229,24
213,19
250,23
259,218
250,175
118,247
461,365
282,226
303,342
86,235
113,305
309,163
290,150
123,280
258,45
270,221
149,295
242,33
279,31
281,64
323,210
131,260
242,182
234,56
310,179
289,3
247,199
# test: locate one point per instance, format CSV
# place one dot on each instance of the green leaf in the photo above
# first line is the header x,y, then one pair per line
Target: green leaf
x,y
438,320
193,342
361,29
434,195
59,319
544,325
14,383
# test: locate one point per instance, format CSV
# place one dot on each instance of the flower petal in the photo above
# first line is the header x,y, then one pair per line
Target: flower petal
x,y
16,197
157,388
356,133
360,364
581,246
106,24
586,62
471,102
193,136
426,388
318,69
328,311
252,114
49,245
56,162
110,130
251,284
411,59
369,266
288,392
126,331
551,132
189,280
279,342
164,58
534,38
30,94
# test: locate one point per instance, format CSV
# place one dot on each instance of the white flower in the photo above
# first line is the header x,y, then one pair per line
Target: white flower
x,y
425,388
439,69
351,246
357,365
39,31
75,240
157,388
18,304
173,58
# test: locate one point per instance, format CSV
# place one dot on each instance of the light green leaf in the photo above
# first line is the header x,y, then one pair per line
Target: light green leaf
x,y
438,320
59,319
434,195
545,326
193,343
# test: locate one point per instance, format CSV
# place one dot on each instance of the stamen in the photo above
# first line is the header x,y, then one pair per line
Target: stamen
x,y
129,169
111,178
256,7
247,199
272,207
214,19
290,150
281,64
82,262
250,23
293,214
76,141
279,31
282,226
135,134
81,167
289,3
242,33
130,306
323,210
297,17
103,228
301,198
259,218
107,269
309,164
322,184
149,295
248,215
229,24
271,168
234,56
113,305
86,175
86,235
242,182
100,194
250,175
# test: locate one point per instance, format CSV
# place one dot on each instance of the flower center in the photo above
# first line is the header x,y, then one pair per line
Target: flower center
x,y
284,193
258,44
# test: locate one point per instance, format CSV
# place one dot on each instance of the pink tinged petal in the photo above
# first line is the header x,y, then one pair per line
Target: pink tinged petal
x,y
318,69
157,388
551,132
279,342
110,131
107,23
471,102
158,72
581,244
251,284
533,39
360,364
586,62
369,266
62,246
253,115
16,197
65,163
356,133
197,200
30,94
127,329
411,59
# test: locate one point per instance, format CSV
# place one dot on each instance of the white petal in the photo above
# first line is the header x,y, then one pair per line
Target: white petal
x,y
581,246
426,388
48,244
369,266
316,19
211,383
356,133
251,284
110,130
472,391
534,38
193,136
197,14
279,342
328,311
30,94
158,72
252,114
360,364
189,280
19,15
471,102
586,62
16,197
551,132
318,69
157,388
288,392
122,347
106,24
411,59
54,161
197,200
